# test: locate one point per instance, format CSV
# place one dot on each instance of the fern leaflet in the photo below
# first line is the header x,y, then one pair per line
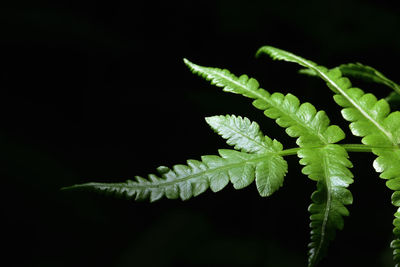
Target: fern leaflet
x,y
370,119
243,134
185,181
363,72
329,167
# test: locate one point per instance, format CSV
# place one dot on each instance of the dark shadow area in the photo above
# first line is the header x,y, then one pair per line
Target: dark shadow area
x,y
98,92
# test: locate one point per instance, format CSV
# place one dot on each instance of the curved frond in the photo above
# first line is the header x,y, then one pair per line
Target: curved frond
x,y
368,74
360,71
370,119
243,134
186,181
312,129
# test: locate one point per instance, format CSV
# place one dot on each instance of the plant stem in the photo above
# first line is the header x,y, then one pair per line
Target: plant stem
x,y
357,148
348,147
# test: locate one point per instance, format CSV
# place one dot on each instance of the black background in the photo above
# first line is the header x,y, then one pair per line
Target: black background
x,y
97,91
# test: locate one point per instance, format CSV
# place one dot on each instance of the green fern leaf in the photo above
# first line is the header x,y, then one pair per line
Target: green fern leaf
x,y
308,72
303,121
370,119
243,134
360,71
329,167
243,85
186,181
313,132
358,106
300,120
368,74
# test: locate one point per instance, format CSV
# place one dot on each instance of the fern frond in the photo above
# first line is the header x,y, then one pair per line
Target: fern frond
x,y
370,119
308,72
243,85
243,134
368,74
186,181
312,129
300,120
366,113
329,167
360,71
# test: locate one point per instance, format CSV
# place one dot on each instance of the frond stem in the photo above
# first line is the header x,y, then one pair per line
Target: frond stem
x,y
348,147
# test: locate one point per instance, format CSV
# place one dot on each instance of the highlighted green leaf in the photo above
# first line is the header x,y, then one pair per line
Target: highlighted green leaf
x,y
329,167
214,172
243,134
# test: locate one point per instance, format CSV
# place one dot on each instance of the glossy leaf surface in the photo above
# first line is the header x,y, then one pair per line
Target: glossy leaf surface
x,y
370,119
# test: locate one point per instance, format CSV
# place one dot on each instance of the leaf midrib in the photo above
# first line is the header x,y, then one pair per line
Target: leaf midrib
x,y
263,145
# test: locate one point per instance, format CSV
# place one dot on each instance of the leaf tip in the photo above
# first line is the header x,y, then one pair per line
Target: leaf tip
x,y
66,188
260,51
211,121
188,63
73,187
